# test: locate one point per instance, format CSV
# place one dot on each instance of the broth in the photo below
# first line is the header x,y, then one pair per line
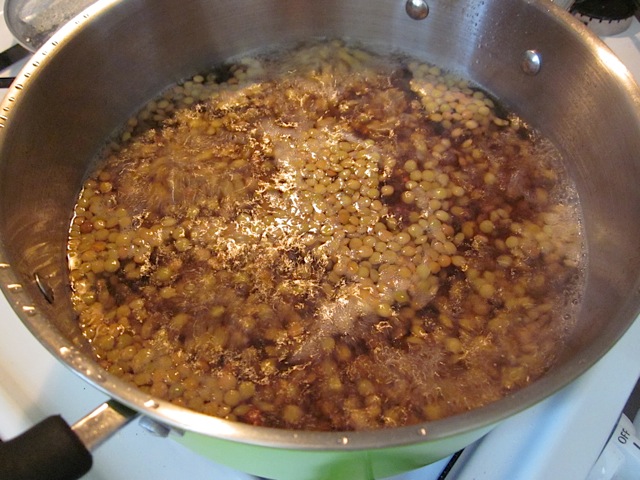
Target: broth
x,y
327,239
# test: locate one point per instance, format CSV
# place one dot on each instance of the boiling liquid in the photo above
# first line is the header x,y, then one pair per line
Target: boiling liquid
x,y
327,240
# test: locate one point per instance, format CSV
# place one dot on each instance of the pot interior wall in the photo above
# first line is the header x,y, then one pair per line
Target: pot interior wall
x,y
80,89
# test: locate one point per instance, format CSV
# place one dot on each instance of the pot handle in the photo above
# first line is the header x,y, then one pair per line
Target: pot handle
x,y
56,451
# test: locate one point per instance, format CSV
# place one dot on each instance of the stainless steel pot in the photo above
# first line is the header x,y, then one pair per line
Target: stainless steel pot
x,y
104,64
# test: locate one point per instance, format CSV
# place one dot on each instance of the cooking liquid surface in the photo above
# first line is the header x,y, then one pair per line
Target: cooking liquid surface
x,y
327,240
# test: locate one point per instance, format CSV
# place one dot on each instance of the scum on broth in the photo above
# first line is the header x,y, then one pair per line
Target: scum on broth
x,y
327,239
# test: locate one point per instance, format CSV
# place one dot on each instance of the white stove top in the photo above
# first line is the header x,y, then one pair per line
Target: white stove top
x,y
558,438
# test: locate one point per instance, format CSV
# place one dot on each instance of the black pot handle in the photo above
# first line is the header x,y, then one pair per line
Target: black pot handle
x,y
53,450
48,450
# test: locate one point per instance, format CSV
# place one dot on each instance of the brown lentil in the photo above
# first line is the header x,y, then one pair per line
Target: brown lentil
x,y
326,240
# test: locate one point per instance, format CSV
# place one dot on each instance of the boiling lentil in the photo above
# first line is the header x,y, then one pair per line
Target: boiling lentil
x,y
326,240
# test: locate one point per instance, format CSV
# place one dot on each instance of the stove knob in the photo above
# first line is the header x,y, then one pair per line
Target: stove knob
x,y
620,458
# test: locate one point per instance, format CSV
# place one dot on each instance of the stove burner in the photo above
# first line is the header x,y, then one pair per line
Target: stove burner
x,y
606,17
